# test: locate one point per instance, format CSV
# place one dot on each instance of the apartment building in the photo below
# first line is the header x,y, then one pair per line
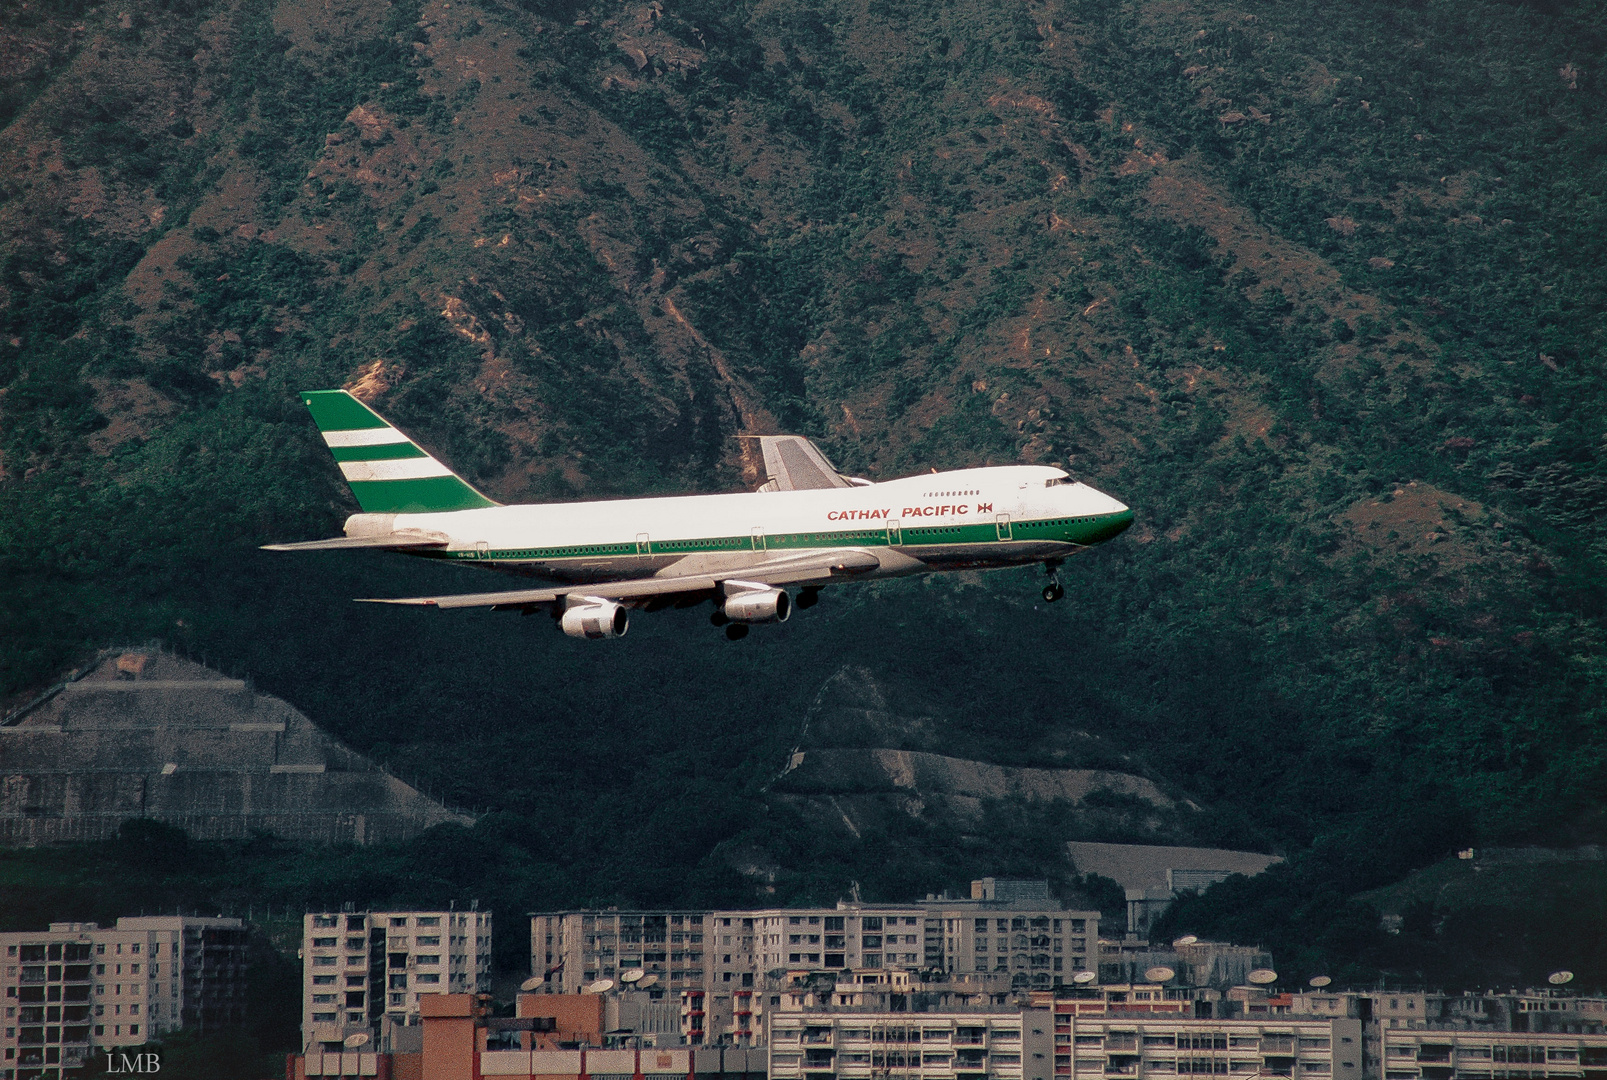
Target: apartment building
x,y
854,936
78,987
1136,1045
570,949
365,971
718,961
1038,948
923,1046
1410,1054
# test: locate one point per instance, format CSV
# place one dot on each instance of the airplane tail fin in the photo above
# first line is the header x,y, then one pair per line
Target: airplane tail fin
x,y
388,472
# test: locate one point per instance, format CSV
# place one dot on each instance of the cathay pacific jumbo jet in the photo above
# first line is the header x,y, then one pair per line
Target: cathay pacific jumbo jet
x,y
805,528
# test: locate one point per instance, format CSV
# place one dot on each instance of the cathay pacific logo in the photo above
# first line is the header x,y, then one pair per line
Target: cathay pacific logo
x,y
946,510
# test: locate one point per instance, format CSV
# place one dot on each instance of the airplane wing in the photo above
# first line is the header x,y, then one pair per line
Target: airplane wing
x,y
793,463
394,541
812,566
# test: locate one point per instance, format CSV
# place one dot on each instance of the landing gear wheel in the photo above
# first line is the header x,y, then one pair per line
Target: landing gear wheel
x,y
1052,591
736,631
718,618
808,598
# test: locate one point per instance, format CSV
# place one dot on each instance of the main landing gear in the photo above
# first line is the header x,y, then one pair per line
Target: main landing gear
x,y
1054,590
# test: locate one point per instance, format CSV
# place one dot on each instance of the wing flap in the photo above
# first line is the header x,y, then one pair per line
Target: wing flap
x,y
783,571
611,590
390,541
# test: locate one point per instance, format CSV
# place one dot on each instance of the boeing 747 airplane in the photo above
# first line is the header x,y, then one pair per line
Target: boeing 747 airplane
x,y
806,527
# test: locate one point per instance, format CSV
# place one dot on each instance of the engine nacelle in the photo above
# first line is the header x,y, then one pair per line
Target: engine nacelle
x,y
596,619
758,606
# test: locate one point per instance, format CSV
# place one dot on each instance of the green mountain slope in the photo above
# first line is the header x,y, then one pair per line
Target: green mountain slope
x,y
1318,290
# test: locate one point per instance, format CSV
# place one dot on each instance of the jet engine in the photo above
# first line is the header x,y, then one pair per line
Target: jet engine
x,y
758,606
596,619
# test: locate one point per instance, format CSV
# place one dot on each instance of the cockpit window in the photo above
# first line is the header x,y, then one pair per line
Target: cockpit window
x,y
1056,481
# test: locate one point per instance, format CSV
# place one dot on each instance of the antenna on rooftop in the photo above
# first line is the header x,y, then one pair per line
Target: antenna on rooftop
x,y
1263,976
352,1042
601,986
1186,939
1083,978
1159,973
1560,978
632,975
1319,981
531,984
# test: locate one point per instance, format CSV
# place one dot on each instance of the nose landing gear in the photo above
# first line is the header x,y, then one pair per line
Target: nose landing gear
x,y
1054,590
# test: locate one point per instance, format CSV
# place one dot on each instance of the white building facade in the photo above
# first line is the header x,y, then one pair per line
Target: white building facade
x,y
364,972
1179,1045
912,1046
78,987
718,962
1489,1055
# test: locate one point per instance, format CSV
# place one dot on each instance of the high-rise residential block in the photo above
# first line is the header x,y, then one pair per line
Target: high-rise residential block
x,y
78,986
365,971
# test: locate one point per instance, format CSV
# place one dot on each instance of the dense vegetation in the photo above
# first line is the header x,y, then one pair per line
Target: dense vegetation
x,y
1317,288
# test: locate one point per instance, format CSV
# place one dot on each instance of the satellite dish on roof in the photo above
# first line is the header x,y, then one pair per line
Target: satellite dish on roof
x,y
1319,981
354,1041
645,981
1083,978
1186,939
1263,976
1159,974
633,975
531,984
601,986
1560,978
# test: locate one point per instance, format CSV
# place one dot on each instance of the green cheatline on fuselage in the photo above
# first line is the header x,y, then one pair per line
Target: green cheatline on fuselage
x,y
1083,531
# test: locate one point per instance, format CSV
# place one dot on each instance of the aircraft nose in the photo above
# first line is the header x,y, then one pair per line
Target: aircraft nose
x,y
1114,516
1118,522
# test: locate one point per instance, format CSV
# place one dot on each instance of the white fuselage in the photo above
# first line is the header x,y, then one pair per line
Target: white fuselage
x,y
997,516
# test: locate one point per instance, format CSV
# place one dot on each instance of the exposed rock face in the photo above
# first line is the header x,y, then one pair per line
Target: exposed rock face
x,y
165,738
881,769
861,761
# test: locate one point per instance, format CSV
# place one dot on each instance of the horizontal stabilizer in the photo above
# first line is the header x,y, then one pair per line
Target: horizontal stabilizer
x,y
814,566
385,541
